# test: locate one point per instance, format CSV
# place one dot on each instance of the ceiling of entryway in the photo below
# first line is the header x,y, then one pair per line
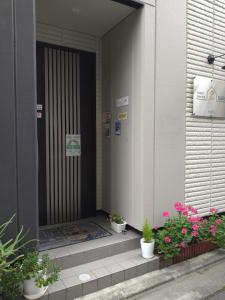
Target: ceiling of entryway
x,y
94,17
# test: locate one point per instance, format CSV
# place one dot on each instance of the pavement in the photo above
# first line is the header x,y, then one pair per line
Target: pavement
x,y
202,284
202,277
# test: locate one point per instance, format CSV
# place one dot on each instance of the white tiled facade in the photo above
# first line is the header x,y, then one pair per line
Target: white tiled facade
x,y
205,137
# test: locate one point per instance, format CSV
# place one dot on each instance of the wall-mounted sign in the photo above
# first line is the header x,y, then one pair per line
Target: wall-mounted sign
x,y
39,107
209,97
124,101
106,117
107,130
117,128
39,115
122,116
73,146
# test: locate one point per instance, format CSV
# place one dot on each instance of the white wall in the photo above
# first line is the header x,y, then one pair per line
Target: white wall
x,y
128,70
205,137
170,84
144,57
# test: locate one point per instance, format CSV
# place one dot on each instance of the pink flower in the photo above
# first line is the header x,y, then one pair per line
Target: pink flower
x,y
193,219
167,240
195,233
184,230
213,229
218,221
194,210
185,213
179,206
166,214
213,210
155,227
195,227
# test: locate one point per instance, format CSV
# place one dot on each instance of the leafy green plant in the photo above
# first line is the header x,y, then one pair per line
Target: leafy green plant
x,y
116,219
9,251
43,270
11,282
147,232
218,231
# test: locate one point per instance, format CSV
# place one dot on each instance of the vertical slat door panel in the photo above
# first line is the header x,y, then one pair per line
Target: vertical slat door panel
x,y
75,120
62,118
47,134
51,154
55,138
59,118
63,135
79,131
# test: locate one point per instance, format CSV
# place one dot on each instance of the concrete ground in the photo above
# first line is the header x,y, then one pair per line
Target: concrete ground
x,y
205,283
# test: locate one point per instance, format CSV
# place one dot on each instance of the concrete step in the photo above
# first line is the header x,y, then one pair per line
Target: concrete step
x,y
100,274
86,252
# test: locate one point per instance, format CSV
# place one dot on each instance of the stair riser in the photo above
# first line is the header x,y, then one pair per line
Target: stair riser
x,y
103,282
76,259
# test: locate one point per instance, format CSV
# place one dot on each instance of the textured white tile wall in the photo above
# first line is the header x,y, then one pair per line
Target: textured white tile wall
x,y
72,39
205,137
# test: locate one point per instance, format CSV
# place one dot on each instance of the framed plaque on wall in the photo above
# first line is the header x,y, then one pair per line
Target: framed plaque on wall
x,y
209,97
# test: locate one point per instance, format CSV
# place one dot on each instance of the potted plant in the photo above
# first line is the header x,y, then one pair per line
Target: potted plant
x,y
118,224
10,257
186,235
147,241
38,274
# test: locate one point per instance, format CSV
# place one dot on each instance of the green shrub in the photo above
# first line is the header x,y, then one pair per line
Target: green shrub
x,y
147,232
42,269
116,219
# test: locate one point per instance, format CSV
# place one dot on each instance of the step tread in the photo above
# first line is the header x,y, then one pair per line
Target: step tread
x,y
103,273
92,245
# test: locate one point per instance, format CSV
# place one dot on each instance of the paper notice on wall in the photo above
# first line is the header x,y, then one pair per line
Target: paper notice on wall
x,y
122,116
124,101
117,128
106,117
73,145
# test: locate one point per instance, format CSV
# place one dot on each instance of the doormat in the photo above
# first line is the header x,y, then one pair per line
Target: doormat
x,y
69,234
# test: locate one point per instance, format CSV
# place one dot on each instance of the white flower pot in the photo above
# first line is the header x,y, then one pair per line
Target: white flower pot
x,y
118,227
147,249
31,291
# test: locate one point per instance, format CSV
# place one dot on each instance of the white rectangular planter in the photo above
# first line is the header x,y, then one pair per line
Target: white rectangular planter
x,y
118,227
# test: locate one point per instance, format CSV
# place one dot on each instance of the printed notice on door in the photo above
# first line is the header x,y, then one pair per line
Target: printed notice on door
x,y
209,97
73,145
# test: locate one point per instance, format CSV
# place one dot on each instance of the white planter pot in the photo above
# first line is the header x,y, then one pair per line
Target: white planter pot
x,y
118,227
147,249
31,291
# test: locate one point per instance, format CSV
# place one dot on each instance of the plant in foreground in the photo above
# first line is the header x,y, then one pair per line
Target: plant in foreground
x,y
186,228
42,270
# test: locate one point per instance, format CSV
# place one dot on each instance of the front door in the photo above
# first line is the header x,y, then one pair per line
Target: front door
x,y
66,112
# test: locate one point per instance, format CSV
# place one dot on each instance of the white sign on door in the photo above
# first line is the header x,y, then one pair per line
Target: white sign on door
x,y
209,97
73,145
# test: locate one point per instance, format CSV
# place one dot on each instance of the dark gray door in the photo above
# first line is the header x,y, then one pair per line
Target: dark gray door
x,y
66,106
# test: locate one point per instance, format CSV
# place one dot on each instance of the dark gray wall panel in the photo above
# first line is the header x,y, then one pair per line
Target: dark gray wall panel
x,y
26,115
18,150
8,185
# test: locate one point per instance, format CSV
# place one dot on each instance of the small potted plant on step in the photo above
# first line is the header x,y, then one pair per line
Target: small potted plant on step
x,y
147,241
38,274
117,223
